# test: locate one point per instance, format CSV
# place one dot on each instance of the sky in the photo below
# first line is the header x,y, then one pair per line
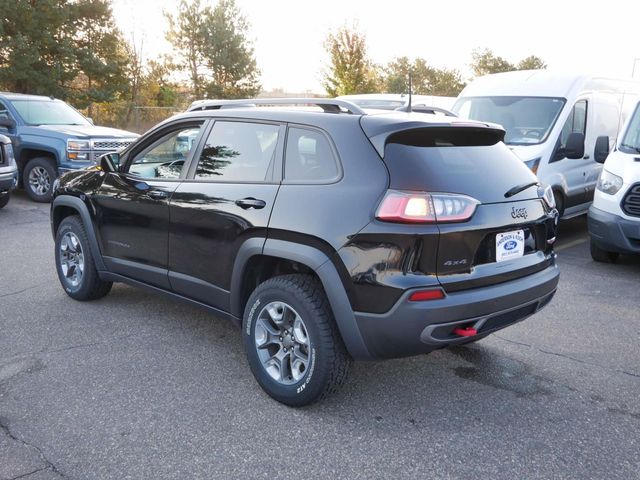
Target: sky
x,y
584,37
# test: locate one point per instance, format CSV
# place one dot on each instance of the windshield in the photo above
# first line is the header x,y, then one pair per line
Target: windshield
x,y
48,112
527,120
631,140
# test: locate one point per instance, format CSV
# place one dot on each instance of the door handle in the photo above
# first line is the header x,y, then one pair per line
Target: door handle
x,y
251,202
158,194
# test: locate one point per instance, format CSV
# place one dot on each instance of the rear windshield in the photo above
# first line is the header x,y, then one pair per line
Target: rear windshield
x,y
469,162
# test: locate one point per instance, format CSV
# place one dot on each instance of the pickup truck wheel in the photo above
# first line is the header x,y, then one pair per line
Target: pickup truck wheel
x,y
601,255
4,199
38,177
292,342
74,263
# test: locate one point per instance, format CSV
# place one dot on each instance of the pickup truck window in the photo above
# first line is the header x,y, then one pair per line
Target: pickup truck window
x,y
48,112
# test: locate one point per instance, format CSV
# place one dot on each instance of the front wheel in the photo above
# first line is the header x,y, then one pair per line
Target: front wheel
x,y
601,255
292,342
74,263
4,199
38,177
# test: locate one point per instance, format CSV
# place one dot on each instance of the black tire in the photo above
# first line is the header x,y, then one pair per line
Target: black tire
x,y
38,177
4,199
329,361
601,255
559,198
89,286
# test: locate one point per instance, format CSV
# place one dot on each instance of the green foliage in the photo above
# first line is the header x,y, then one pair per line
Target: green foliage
x,y
485,62
350,71
531,63
214,46
425,80
69,49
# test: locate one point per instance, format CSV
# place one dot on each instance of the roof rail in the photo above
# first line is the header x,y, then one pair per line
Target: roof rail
x,y
329,105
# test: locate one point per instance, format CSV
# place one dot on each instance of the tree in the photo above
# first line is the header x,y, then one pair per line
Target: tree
x,y
214,45
531,63
69,49
102,60
350,71
425,80
485,62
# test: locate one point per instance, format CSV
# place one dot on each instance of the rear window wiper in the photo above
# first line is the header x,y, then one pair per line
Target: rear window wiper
x,y
519,188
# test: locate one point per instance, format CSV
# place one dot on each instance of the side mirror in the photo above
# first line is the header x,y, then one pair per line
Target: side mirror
x,y
601,151
110,162
7,122
575,145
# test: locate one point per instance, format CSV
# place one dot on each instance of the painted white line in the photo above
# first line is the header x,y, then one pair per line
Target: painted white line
x,y
579,241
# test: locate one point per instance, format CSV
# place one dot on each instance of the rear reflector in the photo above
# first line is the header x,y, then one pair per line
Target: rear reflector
x,y
425,295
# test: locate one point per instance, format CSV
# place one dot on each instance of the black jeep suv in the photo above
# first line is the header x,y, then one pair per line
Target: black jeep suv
x,y
326,233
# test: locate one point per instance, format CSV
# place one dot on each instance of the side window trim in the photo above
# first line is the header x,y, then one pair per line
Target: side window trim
x,y
158,137
275,166
334,151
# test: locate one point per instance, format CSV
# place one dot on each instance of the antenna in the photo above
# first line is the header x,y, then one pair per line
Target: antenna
x,y
410,88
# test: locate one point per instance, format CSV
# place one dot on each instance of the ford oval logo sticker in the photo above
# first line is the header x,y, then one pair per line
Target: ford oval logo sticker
x,y
510,245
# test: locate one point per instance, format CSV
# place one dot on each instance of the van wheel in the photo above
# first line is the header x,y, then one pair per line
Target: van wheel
x,y
4,199
559,199
38,177
601,255
74,262
292,342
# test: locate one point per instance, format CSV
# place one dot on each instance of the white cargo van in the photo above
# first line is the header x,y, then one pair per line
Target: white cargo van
x,y
614,217
552,121
391,101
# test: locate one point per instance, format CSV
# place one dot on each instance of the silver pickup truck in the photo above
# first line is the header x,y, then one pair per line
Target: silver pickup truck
x,y
8,170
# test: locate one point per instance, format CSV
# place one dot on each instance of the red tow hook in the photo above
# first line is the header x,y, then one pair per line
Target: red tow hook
x,y
465,332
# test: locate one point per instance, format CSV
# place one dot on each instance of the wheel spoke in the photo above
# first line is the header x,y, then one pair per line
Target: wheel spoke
x,y
266,334
299,331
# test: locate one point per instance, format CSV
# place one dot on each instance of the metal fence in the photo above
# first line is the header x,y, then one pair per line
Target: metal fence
x,y
133,118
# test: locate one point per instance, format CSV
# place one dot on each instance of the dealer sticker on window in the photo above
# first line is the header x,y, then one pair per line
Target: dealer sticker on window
x,y
509,245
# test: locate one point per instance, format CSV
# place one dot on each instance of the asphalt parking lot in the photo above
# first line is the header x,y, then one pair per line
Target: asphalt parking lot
x,y
136,386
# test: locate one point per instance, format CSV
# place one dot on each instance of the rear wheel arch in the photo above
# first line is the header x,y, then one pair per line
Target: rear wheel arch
x,y
261,259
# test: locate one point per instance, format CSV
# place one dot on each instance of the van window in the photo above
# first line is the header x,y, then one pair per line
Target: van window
x,y
631,140
526,120
576,122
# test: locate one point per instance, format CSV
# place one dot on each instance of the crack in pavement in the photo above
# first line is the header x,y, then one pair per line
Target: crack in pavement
x,y
29,474
568,357
23,290
49,465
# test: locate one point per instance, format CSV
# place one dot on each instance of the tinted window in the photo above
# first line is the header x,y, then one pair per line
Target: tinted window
x,y
166,157
309,156
4,113
576,122
238,152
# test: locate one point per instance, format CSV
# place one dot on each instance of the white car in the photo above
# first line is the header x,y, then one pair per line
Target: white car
x,y
614,217
391,101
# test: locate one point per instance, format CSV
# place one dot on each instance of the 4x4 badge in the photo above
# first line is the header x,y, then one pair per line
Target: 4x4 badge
x,y
519,213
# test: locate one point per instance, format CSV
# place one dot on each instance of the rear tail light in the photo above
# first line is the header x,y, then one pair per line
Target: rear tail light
x,y
414,207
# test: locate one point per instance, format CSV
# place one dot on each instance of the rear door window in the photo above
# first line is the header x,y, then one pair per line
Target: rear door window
x,y
239,152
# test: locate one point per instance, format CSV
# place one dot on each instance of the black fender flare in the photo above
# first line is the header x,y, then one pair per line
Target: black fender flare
x,y
82,209
321,264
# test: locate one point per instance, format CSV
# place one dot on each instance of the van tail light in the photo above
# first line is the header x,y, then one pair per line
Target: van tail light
x,y
418,207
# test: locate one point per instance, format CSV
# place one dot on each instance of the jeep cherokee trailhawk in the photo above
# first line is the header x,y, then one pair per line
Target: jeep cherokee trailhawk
x,y
326,233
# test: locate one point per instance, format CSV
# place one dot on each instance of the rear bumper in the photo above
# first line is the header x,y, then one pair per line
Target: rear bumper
x,y
613,233
8,180
412,328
